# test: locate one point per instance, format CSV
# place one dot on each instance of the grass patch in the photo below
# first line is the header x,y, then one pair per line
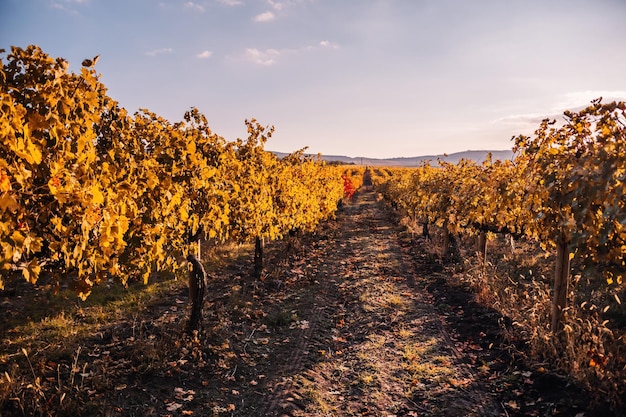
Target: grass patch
x,y
368,378
425,363
404,333
393,301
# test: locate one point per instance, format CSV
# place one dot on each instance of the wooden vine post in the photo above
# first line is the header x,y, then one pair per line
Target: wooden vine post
x,y
445,250
450,249
197,288
482,247
561,282
259,246
425,231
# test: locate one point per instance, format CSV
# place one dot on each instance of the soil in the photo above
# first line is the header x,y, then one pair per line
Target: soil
x,y
357,319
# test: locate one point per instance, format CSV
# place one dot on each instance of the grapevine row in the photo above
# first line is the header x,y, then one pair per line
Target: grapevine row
x,y
89,192
565,187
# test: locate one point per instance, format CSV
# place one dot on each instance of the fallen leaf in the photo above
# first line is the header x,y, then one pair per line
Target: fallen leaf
x,y
174,406
185,395
513,405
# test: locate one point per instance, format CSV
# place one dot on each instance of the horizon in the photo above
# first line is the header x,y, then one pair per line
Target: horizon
x,y
446,154
377,78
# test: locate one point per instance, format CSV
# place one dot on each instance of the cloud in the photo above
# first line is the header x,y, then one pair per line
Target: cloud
x,y
281,5
276,5
328,44
204,54
68,2
521,119
230,2
573,101
270,56
578,99
264,58
159,52
194,6
67,5
264,17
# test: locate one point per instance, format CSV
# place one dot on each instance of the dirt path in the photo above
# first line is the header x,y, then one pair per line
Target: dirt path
x,y
359,321
380,331
372,343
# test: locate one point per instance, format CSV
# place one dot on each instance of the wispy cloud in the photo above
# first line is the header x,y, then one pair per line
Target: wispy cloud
x,y
521,119
159,52
265,58
67,5
204,54
230,2
68,2
574,101
328,44
276,5
270,56
282,4
577,99
190,5
264,17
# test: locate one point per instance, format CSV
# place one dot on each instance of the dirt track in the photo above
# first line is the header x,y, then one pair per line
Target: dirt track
x,y
380,331
359,319
380,347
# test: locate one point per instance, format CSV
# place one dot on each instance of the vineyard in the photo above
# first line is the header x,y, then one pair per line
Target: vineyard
x,y
90,193
564,190
314,289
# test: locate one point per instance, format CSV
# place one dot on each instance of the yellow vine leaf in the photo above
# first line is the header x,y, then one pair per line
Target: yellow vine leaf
x,y
34,152
153,180
96,195
5,182
84,294
184,214
191,147
7,201
31,272
28,150
146,277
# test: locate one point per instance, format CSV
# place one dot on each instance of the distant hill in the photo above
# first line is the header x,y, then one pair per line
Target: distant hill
x,y
477,156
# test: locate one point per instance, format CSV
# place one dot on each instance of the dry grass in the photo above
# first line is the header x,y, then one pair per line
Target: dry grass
x,y
426,363
517,281
518,285
45,364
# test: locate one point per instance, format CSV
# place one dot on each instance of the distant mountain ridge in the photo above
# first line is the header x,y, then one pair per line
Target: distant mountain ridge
x,y
476,156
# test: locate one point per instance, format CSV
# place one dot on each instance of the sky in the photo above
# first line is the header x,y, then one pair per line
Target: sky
x,y
361,78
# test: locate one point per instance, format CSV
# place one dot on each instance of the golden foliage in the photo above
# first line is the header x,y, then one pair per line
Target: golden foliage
x,y
87,189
